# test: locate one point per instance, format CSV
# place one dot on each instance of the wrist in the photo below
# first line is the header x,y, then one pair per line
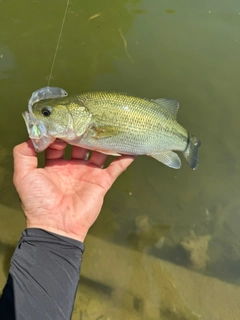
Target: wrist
x,y
79,236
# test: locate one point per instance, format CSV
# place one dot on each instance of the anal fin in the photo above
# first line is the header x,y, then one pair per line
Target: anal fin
x,y
169,158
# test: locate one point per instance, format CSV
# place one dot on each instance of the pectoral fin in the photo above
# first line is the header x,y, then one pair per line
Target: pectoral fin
x,y
102,132
169,158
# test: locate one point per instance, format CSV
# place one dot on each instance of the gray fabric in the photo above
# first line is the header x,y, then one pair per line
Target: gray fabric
x,y
43,277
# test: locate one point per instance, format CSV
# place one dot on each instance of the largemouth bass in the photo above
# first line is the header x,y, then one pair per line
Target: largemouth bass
x,y
112,123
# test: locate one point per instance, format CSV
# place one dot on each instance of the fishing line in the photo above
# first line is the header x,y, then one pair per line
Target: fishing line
x,y
59,38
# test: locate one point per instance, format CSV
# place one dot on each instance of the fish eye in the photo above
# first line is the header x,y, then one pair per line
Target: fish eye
x,y
46,111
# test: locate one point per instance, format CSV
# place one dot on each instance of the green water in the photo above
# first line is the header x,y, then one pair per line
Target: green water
x,y
185,50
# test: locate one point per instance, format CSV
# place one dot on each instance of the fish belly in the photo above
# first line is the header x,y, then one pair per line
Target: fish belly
x,y
134,143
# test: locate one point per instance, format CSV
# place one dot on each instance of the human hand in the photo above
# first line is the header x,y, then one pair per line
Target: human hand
x,y
66,196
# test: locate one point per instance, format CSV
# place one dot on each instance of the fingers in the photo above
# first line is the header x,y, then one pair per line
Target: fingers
x,y
79,153
98,159
55,150
25,158
119,165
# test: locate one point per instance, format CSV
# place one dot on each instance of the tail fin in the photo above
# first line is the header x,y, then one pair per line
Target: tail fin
x,y
191,152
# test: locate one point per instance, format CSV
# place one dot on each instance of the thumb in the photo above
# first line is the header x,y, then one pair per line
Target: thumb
x,y
25,159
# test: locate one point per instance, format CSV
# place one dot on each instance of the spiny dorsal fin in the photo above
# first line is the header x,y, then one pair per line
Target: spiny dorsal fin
x,y
171,105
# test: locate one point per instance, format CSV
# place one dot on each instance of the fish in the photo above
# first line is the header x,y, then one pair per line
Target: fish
x,y
112,123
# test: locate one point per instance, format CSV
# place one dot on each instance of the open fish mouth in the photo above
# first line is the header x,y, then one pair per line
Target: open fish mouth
x,y
37,132
35,127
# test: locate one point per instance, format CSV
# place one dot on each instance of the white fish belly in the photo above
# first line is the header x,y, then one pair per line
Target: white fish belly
x,y
126,143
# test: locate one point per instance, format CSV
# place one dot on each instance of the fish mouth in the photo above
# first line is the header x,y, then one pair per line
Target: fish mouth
x,y
37,132
35,127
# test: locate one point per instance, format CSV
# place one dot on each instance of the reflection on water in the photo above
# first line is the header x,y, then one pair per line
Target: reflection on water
x,y
153,215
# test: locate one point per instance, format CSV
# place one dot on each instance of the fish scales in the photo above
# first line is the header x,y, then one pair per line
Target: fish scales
x,y
136,119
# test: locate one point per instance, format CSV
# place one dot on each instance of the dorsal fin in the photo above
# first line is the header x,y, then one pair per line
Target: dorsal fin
x,y
171,105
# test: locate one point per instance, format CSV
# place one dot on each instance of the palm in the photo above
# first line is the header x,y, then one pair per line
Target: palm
x,y
66,194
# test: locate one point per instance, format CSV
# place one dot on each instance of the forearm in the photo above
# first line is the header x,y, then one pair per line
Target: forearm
x,y
43,277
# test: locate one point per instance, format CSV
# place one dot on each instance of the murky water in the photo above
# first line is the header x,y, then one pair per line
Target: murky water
x,y
188,51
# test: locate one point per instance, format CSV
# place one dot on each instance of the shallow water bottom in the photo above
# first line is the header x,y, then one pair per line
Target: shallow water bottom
x,y
145,287
121,283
